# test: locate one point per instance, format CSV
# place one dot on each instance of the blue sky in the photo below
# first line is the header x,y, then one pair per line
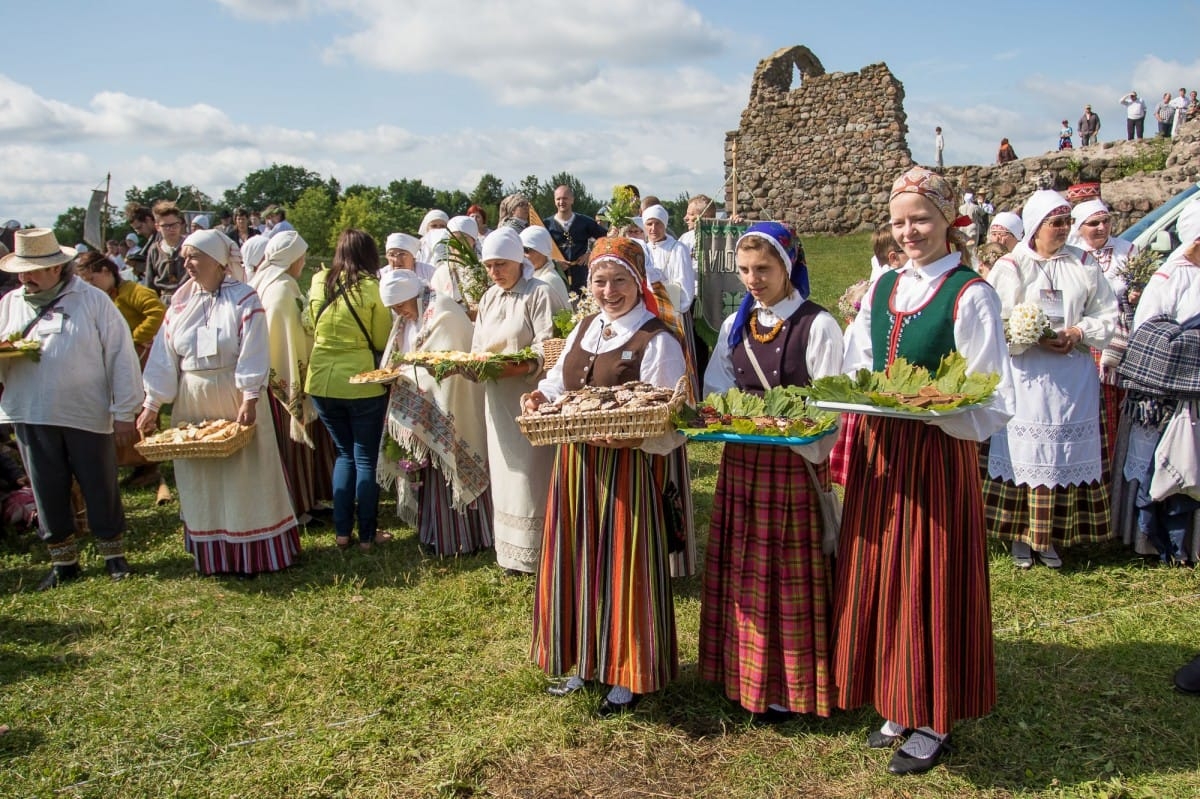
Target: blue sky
x,y
206,91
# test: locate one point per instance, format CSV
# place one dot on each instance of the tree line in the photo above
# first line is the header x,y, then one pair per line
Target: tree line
x,y
320,208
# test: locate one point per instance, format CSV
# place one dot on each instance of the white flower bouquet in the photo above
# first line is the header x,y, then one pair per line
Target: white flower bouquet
x,y
1026,326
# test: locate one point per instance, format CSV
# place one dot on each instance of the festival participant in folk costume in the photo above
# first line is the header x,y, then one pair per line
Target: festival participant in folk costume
x,y
351,326
514,212
1171,524
449,277
1006,230
538,250
304,446
1045,470
603,605
516,312
768,588
401,251
572,232
1091,232
212,360
437,454
143,312
71,409
479,214
431,230
254,249
674,261
912,621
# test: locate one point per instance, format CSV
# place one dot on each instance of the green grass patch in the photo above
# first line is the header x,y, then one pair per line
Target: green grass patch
x,y
390,674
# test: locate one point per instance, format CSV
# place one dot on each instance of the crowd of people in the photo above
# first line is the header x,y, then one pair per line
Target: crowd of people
x,y
894,610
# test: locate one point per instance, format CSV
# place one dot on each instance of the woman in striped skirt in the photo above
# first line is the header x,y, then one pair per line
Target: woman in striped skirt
x,y
912,616
768,587
603,603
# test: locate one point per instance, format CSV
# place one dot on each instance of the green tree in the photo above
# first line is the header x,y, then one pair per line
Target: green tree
x,y
585,203
453,202
488,192
312,215
413,193
188,198
281,184
68,228
358,210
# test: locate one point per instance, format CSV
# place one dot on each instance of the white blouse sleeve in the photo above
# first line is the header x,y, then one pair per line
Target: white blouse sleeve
x,y
824,358
254,355
663,365
160,378
718,375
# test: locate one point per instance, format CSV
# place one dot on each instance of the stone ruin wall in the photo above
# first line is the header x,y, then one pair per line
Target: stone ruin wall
x,y
823,154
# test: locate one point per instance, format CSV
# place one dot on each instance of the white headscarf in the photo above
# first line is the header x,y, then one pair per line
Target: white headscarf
x,y
212,243
656,212
254,249
1188,224
429,217
398,285
1041,205
464,224
284,249
1082,212
403,241
505,243
536,237
1010,222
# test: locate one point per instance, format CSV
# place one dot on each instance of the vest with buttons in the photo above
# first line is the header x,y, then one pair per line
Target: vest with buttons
x,y
924,335
783,359
582,368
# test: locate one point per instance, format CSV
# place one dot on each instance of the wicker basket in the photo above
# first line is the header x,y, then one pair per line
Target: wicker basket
x,y
617,423
152,450
551,351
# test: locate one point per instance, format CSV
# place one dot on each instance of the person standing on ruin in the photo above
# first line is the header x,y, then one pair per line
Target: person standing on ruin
x,y
939,144
1089,127
1135,116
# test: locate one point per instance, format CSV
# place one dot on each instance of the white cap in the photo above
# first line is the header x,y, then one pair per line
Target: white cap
x,y
503,243
398,285
403,241
201,221
1010,222
431,216
131,238
463,224
537,238
656,212
1188,226
81,248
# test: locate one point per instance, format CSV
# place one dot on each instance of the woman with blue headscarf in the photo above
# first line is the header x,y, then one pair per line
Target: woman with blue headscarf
x,y
768,587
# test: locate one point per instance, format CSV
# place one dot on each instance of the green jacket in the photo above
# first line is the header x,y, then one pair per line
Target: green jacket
x,y
340,351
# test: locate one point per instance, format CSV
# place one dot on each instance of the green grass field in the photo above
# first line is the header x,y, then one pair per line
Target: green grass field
x,y
390,674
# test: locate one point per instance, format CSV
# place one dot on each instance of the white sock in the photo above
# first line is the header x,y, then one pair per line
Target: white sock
x,y
893,729
778,708
620,695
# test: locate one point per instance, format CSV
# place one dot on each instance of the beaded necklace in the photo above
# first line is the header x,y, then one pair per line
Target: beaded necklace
x,y
763,338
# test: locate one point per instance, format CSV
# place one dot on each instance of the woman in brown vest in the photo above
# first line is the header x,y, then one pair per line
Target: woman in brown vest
x,y
603,605
768,587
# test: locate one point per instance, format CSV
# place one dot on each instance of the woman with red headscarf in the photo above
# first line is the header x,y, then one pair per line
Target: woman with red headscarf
x,y
603,604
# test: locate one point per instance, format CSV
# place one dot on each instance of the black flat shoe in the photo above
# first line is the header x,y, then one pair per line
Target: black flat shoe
x,y
117,568
609,708
903,763
1187,679
771,716
60,573
878,739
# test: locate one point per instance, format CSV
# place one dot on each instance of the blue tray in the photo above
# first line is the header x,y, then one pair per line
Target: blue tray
x,y
750,438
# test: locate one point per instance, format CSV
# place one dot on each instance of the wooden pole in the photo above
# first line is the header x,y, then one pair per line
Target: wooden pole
x,y
733,172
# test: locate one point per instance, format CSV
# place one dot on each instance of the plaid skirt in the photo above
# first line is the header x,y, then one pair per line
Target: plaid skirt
x,y
1041,516
768,589
912,606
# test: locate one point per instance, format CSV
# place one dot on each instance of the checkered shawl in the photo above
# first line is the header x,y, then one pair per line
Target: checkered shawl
x,y
1161,366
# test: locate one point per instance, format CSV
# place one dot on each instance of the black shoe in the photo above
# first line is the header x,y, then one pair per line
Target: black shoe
x,y
1187,679
772,716
878,739
609,708
59,573
117,568
903,763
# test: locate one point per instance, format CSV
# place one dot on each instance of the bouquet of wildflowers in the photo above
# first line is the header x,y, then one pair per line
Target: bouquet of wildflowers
x,y
565,320
1026,326
851,300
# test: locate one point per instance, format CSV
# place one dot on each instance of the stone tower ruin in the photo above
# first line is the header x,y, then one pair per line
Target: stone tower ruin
x,y
821,155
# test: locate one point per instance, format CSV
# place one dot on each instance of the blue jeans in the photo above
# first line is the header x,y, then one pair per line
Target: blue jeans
x,y
356,426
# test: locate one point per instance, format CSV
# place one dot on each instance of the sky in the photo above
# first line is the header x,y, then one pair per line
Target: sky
x,y
204,92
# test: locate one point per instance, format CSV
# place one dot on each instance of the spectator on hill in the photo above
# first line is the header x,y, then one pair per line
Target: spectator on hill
x,y
1180,106
939,146
1064,136
1164,114
1135,116
1006,152
1089,127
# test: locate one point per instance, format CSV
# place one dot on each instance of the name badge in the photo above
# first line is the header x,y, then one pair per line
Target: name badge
x,y
1052,305
51,324
626,356
206,342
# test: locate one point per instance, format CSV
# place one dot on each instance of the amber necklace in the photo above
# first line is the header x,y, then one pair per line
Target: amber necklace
x,y
763,338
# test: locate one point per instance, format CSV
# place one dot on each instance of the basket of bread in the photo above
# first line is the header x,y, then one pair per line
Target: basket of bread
x,y
630,410
217,438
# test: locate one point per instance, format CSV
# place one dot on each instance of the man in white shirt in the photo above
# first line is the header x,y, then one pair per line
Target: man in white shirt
x,y
1135,116
939,144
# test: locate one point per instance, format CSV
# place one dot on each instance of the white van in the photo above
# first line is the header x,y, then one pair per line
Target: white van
x,y
1156,230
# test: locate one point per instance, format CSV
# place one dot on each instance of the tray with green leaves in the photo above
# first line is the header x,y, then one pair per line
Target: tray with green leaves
x,y
906,389
17,347
480,365
780,416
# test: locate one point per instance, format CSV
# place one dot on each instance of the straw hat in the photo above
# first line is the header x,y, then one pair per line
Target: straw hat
x,y
35,248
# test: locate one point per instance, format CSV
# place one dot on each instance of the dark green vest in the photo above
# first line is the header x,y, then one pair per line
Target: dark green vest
x,y
923,336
